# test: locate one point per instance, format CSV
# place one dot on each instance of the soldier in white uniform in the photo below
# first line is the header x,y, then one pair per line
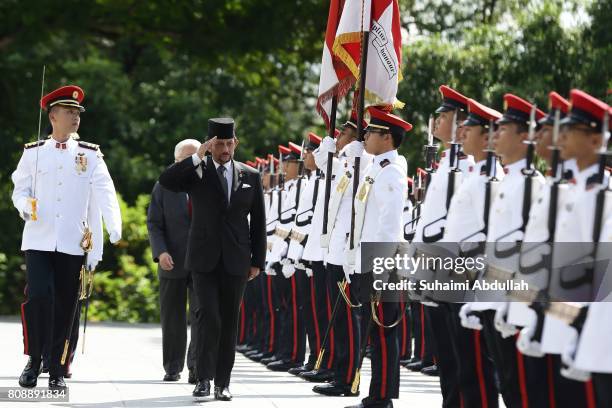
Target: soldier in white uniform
x,y
466,222
290,347
300,234
522,378
379,211
346,325
56,183
431,226
581,138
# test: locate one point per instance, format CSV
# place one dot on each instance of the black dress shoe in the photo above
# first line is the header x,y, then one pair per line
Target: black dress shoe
x,y
259,356
29,376
431,370
415,366
223,394
243,348
201,390
301,369
172,377
252,352
320,376
267,360
283,365
192,377
57,383
335,389
405,363
373,403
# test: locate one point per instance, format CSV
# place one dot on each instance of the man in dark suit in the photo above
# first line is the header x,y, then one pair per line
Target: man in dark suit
x,y
227,246
168,221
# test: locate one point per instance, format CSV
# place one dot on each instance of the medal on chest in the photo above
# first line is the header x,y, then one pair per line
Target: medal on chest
x,y
80,163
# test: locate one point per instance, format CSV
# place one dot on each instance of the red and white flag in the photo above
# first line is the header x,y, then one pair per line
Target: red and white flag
x,y
336,78
382,19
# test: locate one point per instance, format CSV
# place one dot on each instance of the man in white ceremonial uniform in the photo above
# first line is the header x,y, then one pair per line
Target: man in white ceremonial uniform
x,y
430,230
59,182
299,236
379,206
346,325
582,138
290,344
563,392
314,254
522,378
466,222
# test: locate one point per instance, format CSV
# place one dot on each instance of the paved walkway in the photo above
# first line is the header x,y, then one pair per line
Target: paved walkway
x,y
122,368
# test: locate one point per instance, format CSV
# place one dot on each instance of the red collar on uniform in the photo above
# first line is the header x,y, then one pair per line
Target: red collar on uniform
x,y
59,145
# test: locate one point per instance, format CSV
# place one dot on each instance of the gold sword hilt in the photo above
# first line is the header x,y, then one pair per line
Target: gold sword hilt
x,y
33,209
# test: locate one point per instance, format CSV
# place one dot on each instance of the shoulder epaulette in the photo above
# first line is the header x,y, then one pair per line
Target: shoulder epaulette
x,y
34,144
89,146
385,163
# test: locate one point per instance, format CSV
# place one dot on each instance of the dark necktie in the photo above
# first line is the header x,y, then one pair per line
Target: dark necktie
x,y
221,171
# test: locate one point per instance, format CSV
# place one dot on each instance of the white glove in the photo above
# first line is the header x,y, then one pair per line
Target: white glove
x,y
92,263
114,236
270,271
567,357
525,343
354,149
328,145
348,271
569,351
506,329
469,320
286,261
288,270
309,272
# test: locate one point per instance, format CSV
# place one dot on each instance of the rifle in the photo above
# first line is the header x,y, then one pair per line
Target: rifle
x,y
492,181
529,172
453,174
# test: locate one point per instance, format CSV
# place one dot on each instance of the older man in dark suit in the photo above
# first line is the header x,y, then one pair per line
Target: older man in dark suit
x,y
227,246
168,221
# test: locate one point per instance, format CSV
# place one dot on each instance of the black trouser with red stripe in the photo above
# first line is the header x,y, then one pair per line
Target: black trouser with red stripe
x,y
250,313
346,328
566,393
405,333
423,344
292,345
449,383
475,371
308,310
522,379
324,305
268,327
385,346
52,289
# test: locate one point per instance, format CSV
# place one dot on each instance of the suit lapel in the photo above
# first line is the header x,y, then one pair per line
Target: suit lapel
x,y
236,179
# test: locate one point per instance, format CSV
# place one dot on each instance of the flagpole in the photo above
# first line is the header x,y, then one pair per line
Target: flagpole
x,y
363,65
330,160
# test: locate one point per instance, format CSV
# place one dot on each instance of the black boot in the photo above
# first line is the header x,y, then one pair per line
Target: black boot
x,y
223,394
29,376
